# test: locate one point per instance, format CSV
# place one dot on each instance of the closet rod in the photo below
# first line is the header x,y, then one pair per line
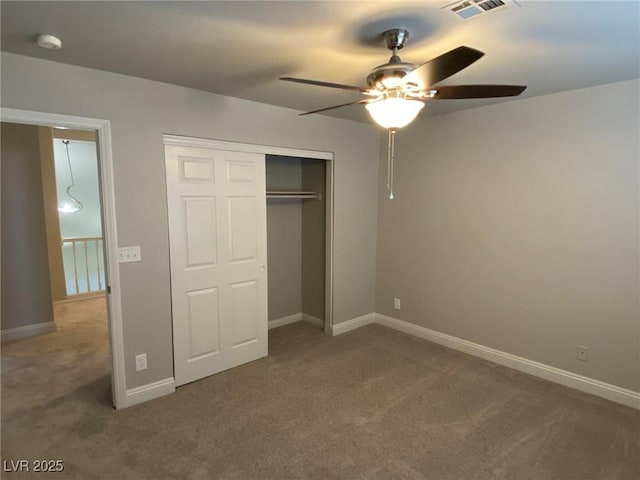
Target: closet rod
x,y
290,194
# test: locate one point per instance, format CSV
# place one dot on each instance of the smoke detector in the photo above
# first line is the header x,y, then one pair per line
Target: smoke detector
x,y
468,9
49,41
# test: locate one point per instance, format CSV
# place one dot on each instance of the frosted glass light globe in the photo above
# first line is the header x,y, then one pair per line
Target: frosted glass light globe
x,y
394,112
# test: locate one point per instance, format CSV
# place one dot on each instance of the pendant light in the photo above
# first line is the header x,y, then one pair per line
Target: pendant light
x,y
70,204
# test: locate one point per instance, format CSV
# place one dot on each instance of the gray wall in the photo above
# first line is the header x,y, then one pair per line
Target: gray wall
x,y
313,239
515,226
26,287
284,238
140,111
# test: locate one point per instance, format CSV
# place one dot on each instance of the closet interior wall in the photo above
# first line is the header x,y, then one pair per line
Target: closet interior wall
x,y
296,239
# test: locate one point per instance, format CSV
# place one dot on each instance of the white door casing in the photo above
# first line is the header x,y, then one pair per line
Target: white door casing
x,y
108,201
218,248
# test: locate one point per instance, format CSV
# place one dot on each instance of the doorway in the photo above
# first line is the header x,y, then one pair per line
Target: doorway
x,y
216,193
79,212
100,130
296,225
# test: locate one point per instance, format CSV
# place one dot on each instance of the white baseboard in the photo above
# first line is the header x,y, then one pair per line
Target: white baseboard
x,y
280,322
296,317
347,326
28,331
315,321
149,392
553,374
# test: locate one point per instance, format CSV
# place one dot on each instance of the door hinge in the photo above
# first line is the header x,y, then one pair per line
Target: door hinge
x,y
108,289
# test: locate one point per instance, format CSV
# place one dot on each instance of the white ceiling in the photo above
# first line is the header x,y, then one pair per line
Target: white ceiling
x,y
240,48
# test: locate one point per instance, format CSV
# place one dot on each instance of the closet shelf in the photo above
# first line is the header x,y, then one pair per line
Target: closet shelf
x,y
293,194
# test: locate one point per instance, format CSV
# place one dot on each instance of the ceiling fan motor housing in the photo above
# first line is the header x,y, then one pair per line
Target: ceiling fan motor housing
x,y
396,38
389,75
384,77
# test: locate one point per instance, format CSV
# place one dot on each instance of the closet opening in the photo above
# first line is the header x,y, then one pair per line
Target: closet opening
x,y
298,196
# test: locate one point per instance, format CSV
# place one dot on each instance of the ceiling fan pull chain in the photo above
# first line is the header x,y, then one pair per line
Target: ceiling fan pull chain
x,y
389,161
390,157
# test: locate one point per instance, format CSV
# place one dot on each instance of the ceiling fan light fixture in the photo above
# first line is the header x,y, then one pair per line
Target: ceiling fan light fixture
x,y
394,112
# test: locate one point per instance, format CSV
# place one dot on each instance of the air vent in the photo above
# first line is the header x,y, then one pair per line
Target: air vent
x,y
491,4
467,9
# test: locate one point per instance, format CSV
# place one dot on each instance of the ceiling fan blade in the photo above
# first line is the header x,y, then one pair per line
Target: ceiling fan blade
x,y
335,106
324,84
477,91
442,67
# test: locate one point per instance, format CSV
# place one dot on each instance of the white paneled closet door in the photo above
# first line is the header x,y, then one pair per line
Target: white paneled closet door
x,y
218,246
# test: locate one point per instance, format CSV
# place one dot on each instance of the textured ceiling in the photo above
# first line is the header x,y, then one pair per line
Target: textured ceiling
x,y
241,48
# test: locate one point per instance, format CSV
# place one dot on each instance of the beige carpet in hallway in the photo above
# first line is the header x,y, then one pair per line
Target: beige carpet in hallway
x,y
370,404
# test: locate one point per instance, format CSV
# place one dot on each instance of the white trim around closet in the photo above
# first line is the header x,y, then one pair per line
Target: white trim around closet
x,y
182,141
195,142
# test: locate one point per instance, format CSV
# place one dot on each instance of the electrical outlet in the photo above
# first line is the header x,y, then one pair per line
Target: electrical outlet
x,y
583,353
396,303
141,362
129,254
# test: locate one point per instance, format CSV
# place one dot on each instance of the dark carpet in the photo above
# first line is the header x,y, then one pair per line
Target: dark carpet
x,y
370,404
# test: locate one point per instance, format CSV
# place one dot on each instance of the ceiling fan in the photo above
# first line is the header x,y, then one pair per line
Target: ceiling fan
x,y
397,90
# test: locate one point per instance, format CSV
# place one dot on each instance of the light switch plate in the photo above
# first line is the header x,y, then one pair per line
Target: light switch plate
x,y
141,362
129,254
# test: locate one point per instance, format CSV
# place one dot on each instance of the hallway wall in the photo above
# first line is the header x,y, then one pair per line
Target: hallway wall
x,y
26,287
